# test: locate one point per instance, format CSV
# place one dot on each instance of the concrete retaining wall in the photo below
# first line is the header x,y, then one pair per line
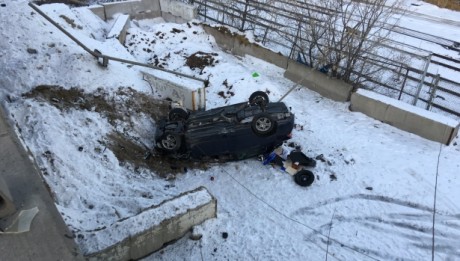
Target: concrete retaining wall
x,y
170,220
178,10
239,45
170,10
405,117
319,82
183,93
119,28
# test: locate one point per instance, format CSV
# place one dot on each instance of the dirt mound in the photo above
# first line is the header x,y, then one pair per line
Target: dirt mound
x,y
121,106
200,60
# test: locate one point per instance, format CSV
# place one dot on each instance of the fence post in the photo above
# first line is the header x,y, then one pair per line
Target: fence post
x,y
399,71
265,35
434,87
295,41
403,84
245,13
420,85
205,9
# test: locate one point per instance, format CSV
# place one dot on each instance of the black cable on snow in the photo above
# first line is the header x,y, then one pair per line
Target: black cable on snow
x,y
434,203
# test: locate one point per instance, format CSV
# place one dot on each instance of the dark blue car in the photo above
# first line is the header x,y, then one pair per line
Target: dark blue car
x,y
235,132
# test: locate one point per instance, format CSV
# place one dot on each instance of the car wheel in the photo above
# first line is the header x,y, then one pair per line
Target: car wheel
x,y
178,114
170,142
263,124
259,98
304,178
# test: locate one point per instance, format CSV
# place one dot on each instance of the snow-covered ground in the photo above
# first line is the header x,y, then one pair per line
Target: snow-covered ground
x,y
374,193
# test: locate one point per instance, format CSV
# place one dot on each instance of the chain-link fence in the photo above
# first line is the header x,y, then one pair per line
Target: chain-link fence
x,y
391,68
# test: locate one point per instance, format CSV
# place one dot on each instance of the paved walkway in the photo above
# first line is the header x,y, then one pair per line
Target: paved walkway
x,y
49,237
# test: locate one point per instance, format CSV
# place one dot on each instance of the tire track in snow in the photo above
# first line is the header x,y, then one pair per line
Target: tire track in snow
x,y
415,230
380,198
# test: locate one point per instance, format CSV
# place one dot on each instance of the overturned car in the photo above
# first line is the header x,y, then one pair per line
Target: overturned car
x,y
232,132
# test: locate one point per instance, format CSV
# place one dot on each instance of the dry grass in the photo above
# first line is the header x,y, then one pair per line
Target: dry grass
x,y
449,4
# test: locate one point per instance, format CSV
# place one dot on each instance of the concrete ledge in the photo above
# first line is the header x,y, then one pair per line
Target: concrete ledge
x,y
119,28
188,93
128,7
240,45
129,240
178,9
98,10
319,82
6,201
404,116
170,10
224,38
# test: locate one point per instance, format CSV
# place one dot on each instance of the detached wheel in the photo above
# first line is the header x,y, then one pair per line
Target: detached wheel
x,y
178,114
304,178
263,124
259,98
170,142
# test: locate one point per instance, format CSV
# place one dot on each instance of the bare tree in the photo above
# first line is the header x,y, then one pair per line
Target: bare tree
x,y
339,37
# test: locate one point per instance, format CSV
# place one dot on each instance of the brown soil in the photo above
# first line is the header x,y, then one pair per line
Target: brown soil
x,y
126,103
201,60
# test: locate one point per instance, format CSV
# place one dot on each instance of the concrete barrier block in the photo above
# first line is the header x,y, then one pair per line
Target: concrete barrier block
x,y
99,11
395,117
129,7
314,80
6,201
240,45
119,28
148,14
404,116
222,35
138,236
146,9
170,18
191,94
364,104
179,9
151,5
243,47
429,128
150,9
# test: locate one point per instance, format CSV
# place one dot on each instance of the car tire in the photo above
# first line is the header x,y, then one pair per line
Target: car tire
x,y
304,178
178,114
170,142
259,98
263,124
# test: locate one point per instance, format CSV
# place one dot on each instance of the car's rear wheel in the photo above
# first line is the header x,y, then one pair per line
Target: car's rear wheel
x,y
178,114
263,124
304,178
259,98
170,142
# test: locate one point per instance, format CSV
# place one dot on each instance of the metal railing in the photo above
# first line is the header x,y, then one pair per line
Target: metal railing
x,y
409,81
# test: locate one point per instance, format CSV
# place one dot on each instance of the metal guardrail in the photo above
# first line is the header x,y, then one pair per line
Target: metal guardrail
x,y
106,58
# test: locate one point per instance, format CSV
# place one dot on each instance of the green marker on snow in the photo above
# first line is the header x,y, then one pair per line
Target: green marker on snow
x,y
255,74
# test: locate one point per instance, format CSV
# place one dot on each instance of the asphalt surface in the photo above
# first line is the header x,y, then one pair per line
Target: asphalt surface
x,y
49,237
